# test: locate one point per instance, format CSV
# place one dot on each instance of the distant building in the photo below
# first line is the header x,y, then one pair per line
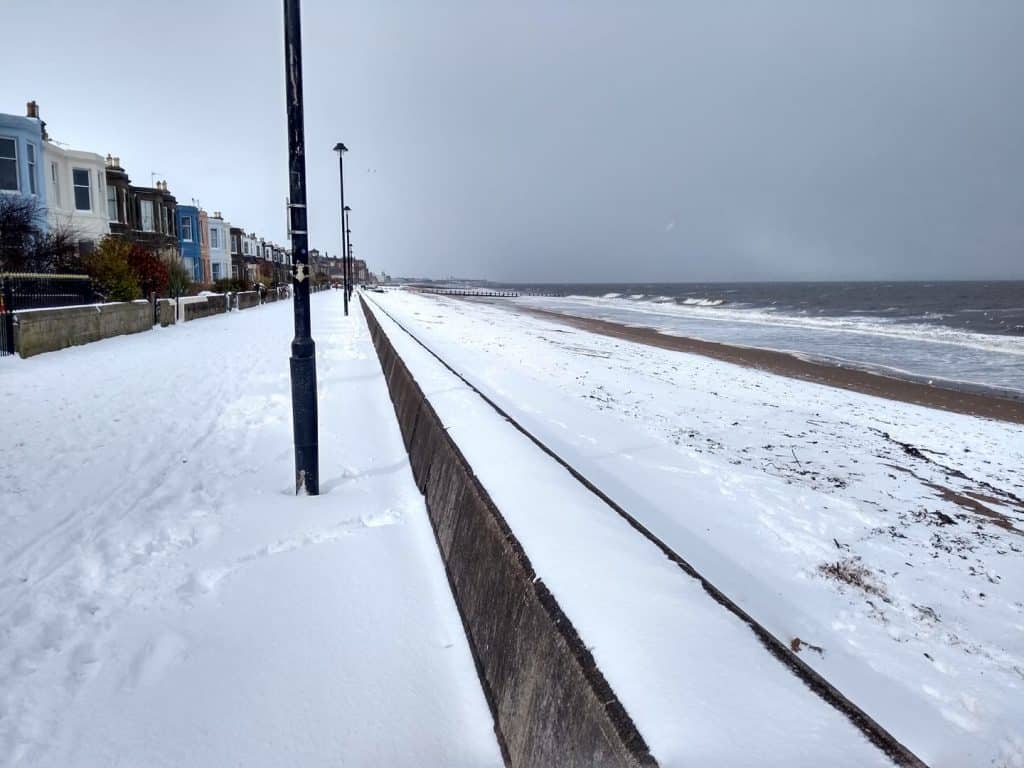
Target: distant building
x,y
250,248
220,247
360,274
146,215
21,155
204,247
237,263
188,240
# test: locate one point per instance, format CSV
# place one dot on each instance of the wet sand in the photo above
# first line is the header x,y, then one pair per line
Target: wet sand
x,y
784,364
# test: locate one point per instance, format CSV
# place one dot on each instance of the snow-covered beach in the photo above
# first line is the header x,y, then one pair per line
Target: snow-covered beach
x,y
882,539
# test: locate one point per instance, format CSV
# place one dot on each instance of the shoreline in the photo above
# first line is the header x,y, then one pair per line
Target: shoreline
x,y
786,364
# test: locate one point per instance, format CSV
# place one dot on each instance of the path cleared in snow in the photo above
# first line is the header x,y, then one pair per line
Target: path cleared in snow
x,y
824,513
164,598
698,684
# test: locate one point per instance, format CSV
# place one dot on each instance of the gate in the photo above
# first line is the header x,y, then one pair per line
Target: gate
x,y
30,290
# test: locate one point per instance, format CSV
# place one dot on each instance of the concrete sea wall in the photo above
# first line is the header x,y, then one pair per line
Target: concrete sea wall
x,y
552,706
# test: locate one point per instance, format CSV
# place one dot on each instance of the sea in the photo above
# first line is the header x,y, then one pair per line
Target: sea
x,y
962,335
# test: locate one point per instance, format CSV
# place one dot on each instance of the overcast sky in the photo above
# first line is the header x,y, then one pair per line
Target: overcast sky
x,y
568,141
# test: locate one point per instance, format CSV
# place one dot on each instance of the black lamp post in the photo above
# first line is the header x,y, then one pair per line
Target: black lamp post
x,y
348,253
303,359
341,149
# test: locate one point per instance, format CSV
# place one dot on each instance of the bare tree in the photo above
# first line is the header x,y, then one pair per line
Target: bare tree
x,y
26,245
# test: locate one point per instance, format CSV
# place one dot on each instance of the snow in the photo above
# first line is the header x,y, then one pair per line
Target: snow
x,y
696,681
166,600
763,483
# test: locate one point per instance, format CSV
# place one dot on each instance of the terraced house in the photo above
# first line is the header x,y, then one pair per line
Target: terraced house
x,y
144,214
220,245
21,152
188,240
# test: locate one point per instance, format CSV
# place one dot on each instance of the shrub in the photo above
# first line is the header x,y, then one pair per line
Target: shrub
x,y
151,271
108,265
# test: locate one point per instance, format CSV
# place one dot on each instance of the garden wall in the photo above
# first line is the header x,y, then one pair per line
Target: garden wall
x,y
45,330
213,305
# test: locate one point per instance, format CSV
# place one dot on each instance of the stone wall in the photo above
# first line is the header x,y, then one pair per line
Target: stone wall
x,y
551,704
45,330
248,299
214,305
165,310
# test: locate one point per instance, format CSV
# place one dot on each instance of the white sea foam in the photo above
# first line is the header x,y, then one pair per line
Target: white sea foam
x,y
656,313
703,302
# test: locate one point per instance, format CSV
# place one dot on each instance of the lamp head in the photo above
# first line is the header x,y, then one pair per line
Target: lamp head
x,y
340,148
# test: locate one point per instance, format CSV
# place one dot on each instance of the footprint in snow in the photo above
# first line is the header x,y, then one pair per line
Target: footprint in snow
x,y
376,519
153,661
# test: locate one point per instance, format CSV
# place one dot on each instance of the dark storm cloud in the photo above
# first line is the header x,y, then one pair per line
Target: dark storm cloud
x,y
591,140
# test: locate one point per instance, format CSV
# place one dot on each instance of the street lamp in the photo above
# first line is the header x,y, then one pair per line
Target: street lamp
x,y
347,257
303,359
341,149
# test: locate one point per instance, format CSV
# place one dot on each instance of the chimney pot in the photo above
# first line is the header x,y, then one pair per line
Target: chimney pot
x,y
32,109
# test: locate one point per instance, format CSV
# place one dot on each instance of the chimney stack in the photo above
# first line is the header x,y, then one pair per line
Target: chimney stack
x,y
32,109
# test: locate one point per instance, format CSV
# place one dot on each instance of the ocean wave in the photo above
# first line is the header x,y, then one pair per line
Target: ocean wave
x,y
703,302
657,314
612,296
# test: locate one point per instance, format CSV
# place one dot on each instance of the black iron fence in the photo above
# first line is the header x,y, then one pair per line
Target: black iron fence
x,y
29,290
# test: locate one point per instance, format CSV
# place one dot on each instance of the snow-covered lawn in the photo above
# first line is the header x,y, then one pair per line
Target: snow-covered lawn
x,y
886,537
166,600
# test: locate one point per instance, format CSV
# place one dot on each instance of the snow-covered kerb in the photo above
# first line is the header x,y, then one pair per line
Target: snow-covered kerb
x,y
551,703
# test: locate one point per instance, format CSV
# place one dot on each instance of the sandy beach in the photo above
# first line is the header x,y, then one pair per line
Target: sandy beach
x,y
784,364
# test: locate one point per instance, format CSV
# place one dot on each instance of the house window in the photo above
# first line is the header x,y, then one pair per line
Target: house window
x,y
214,237
146,207
234,245
8,164
55,177
245,247
83,192
216,265
31,167
112,203
186,229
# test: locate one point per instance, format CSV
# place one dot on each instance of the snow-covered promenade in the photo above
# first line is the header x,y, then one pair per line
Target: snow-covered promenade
x,y
882,540
164,598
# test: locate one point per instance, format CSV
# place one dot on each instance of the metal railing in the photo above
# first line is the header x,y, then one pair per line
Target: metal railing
x,y
30,290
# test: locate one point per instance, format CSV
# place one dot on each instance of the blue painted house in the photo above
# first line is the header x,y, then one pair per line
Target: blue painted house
x,y
21,157
187,220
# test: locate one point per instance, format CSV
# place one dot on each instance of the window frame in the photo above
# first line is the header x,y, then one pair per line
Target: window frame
x,y
30,159
17,165
186,223
55,178
142,216
112,193
87,187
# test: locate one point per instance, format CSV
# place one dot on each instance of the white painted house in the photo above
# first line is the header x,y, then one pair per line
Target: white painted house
x,y
220,246
76,192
